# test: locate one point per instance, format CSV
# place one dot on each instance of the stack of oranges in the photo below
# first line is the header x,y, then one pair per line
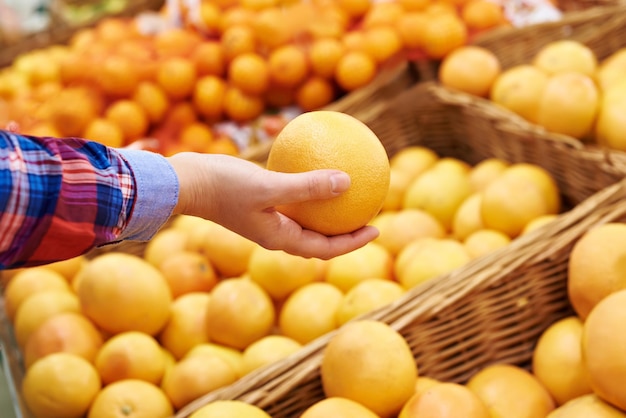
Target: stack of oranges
x,y
231,61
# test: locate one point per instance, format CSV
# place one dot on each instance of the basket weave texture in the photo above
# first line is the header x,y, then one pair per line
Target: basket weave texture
x,y
603,29
493,309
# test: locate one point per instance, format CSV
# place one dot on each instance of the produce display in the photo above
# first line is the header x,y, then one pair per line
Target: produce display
x,y
225,75
146,331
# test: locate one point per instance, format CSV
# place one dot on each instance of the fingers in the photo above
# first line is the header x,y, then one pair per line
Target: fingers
x,y
310,185
306,243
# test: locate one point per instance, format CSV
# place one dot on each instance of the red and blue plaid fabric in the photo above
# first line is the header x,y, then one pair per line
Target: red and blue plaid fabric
x,y
59,198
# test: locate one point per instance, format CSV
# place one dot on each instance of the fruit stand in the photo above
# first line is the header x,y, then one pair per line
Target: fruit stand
x,y
494,288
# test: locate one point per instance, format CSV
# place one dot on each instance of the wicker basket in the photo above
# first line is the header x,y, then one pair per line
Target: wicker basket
x,y
602,29
494,308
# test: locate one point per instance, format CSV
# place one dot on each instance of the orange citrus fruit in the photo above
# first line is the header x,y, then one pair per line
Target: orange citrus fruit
x,y
250,73
116,303
131,398
355,69
60,385
471,69
327,139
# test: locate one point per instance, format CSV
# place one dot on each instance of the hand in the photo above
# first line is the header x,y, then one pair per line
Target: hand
x,y
241,196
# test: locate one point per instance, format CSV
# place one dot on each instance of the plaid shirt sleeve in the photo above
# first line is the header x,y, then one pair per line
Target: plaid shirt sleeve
x,y
60,198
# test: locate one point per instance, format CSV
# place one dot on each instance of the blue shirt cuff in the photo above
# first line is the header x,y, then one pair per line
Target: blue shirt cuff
x,y
156,193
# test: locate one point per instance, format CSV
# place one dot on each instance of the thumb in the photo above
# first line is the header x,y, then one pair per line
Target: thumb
x,y
309,185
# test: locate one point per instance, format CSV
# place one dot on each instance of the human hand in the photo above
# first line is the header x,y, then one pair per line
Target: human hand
x,y
241,196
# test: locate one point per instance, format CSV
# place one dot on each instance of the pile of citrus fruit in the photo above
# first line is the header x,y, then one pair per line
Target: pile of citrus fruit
x,y
565,88
123,80
203,306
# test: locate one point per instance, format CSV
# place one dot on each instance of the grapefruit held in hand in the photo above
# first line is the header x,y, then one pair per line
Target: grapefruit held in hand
x,y
333,140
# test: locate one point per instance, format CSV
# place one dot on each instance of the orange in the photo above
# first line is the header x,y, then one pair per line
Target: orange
x,y
424,383
566,55
610,121
236,15
105,132
232,356
414,5
236,40
272,28
195,137
354,40
366,296
355,69
354,8
186,326
152,99
382,43
413,160
223,145
601,342
467,218
225,408
324,54
117,76
67,332
209,58
29,281
410,28
130,117
569,104
130,355
610,70
242,107
445,400
405,226
557,360
240,313
310,311
328,139
228,252
586,406
315,93
60,385
288,66
382,14
482,14
280,273
485,241
471,69
486,171
177,77
537,223
398,184
509,203
113,30
72,110
356,365
542,178
40,306
439,192
337,407
519,89
596,267
442,33
511,391
131,398
347,270
250,73
427,258
176,43
188,271
68,268
117,304
195,376
210,18
164,243
178,116
208,96
268,350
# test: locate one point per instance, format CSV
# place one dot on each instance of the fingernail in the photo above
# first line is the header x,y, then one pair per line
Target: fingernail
x,y
339,182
